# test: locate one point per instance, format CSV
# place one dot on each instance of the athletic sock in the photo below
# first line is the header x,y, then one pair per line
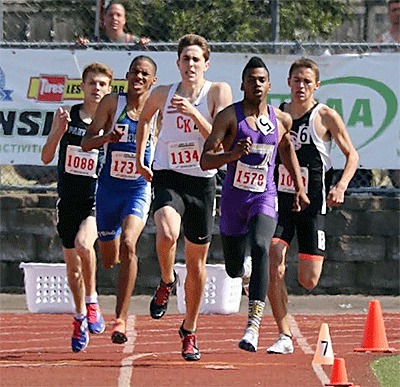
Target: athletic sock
x,y
79,316
92,299
256,308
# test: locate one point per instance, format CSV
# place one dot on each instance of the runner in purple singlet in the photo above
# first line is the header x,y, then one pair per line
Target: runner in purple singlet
x,y
251,132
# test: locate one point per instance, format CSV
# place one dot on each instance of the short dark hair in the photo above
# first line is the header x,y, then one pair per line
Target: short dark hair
x,y
112,3
144,57
307,63
194,40
254,63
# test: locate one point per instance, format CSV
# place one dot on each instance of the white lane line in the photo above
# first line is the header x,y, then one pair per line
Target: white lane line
x,y
125,372
305,347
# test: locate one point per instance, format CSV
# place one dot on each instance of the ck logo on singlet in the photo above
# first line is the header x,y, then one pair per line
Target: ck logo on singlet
x,y
183,123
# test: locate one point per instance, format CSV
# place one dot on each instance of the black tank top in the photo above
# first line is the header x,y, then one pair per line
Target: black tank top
x,y
309,156
70,185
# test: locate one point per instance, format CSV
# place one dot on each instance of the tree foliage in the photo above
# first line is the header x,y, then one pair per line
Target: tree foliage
x,y
242,20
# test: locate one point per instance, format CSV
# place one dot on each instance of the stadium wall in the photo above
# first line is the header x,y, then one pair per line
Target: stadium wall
x,y
362,245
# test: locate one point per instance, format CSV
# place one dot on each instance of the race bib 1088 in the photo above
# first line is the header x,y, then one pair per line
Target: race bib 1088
x,y
78,162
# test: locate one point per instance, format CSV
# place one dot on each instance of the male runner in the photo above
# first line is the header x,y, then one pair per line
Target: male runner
x,y
77,179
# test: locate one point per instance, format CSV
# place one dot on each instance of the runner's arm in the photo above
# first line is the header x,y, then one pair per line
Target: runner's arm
x,y
222,135
58,127
155,102
336,127
94,136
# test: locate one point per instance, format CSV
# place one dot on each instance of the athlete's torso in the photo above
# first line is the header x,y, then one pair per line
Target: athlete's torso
x,y
254,172
314,155
179,144
77,170
119,169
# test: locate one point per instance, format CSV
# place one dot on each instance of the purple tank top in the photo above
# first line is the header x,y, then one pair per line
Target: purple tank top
x,y
263,152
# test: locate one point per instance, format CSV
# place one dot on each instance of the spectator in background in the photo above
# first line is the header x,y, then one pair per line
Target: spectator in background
x,y
77,179
115,30
392,36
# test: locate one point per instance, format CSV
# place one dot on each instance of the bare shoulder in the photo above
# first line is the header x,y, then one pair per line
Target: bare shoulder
x,y
160,93
227,112
220,86
328,112
329,115
284,118
162,89
221,92
110,98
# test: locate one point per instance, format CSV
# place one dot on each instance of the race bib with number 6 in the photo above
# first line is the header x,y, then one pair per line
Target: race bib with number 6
x,y
78,162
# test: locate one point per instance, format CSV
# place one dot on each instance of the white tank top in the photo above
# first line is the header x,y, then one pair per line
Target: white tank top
x,y
180,143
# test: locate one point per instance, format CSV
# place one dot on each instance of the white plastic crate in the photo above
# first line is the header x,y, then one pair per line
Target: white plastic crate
x,y
222,294
46,288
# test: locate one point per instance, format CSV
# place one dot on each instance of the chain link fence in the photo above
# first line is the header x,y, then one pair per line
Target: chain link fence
x,y
51,24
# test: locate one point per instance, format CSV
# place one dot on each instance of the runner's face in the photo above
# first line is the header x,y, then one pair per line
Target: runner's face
x,y
140,77
256,84
115,18
302,84
192,64
95,86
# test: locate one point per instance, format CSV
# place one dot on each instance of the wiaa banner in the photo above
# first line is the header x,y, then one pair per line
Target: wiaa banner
x,y
364,89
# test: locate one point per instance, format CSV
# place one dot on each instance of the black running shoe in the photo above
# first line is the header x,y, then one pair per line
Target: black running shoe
x,y
159,302
190,352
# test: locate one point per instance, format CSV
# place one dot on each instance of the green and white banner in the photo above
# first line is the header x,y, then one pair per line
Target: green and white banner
x,y
364,89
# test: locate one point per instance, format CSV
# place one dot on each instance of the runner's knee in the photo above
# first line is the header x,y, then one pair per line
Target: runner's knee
x,y
277,272
82,249
74,273
308,280
128,244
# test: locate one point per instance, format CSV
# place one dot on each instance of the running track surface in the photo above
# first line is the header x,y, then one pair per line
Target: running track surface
x,y
35,351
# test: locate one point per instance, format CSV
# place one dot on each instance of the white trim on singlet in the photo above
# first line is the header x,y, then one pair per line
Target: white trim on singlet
x,y
324,148
121,103
170,133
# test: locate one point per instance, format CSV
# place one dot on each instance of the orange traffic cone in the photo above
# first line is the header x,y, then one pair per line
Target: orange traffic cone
x,y
324,352
339,374
374,339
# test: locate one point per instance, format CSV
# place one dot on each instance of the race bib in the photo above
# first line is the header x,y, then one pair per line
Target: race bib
x,y
123,165
183,154
250,177
78,162
125,129
285,183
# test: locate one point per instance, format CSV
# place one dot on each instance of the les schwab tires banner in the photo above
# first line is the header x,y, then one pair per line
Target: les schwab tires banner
x,y
364,89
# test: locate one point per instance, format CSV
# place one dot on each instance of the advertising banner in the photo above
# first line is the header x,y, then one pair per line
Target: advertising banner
x,y
363,89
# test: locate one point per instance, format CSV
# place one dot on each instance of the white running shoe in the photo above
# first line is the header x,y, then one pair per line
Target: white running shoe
x,y
246,275
283,346
249,341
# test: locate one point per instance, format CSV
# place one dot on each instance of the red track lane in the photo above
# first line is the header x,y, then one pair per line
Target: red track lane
x,y
35,351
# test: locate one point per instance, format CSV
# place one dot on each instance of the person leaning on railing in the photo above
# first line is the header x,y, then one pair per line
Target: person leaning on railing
x,y
392,35
115,30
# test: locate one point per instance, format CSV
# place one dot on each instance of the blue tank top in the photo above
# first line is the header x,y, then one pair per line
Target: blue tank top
x,y
119,168
254,172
